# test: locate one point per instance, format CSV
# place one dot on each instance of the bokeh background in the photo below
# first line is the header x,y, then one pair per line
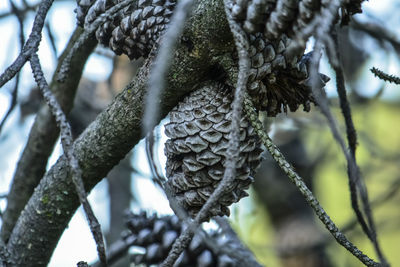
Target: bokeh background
x,y
274,221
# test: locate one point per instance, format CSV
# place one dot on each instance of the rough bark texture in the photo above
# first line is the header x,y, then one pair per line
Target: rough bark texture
x,y
115,131
43,135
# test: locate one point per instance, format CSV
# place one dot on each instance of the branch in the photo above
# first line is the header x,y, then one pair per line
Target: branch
x,y
43,135
66,141
384,76
298,181
115,131
31,44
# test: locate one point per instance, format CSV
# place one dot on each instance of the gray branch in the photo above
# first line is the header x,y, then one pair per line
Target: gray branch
x,y
43,135
115,131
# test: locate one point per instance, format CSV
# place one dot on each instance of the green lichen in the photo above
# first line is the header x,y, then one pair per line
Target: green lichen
x,y
45,199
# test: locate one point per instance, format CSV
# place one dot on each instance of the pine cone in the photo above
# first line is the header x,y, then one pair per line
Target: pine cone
x,y
135,29
82,9
140,28
157,234
253,13
274,17
199,130
276,81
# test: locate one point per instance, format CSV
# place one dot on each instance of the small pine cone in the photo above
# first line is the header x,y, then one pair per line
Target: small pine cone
x,y
157,234
140,28
276,81
199,130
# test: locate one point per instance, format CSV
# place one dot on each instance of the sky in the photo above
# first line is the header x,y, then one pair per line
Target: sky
x,y
62,20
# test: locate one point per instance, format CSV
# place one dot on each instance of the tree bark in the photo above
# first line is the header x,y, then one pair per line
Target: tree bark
x,y
116,130
42,137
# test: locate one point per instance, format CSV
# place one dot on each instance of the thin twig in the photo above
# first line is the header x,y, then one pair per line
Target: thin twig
x,y
344,103
13,103
14,96
232,154
384,76
156,83
352,141
355,179
300,184
23,11
351,138
52,39
31,44
378,31
67,141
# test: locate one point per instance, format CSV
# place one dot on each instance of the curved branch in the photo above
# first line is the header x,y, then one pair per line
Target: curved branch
x,y
42,137
115,131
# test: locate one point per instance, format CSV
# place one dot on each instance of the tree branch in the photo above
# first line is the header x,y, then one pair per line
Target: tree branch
x,y
43,135
115,131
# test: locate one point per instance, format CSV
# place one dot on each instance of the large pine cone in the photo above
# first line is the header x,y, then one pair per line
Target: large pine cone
x,y
199,130
157,234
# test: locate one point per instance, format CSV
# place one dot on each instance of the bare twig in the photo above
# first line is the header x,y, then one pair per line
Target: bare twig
x,y
114,132
14,96
298,181
344,104
352,141
31,44
378,31
384,76
23,11
163,59
51,39
355,180
67,141
13,103
42,137
242,46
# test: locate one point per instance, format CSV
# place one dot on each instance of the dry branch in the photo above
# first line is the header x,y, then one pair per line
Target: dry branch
x,y
43,135
115,131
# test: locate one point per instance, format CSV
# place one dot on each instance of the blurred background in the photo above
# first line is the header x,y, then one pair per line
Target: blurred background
x,y
274,222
